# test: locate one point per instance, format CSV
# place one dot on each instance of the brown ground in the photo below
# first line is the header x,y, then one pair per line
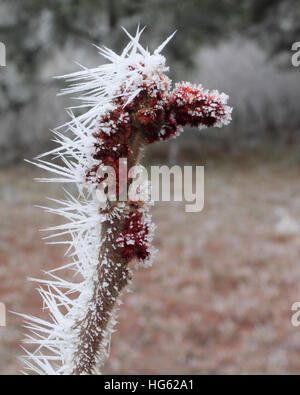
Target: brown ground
x,y
218,297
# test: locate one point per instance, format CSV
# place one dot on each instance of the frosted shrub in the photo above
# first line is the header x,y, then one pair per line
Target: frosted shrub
x,y
129,104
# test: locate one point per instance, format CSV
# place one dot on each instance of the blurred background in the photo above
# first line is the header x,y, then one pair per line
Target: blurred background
x,y
218,297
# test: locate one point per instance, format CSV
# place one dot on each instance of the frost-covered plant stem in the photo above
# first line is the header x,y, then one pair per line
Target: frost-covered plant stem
x,y
129,104
113,275
111,280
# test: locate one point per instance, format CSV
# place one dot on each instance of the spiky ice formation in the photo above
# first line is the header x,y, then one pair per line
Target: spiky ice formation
x,y
128,105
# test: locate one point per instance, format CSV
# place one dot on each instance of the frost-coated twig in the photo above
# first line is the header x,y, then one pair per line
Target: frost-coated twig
x,y
128,105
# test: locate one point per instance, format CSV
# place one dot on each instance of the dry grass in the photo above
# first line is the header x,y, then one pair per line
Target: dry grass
x,y
218,297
